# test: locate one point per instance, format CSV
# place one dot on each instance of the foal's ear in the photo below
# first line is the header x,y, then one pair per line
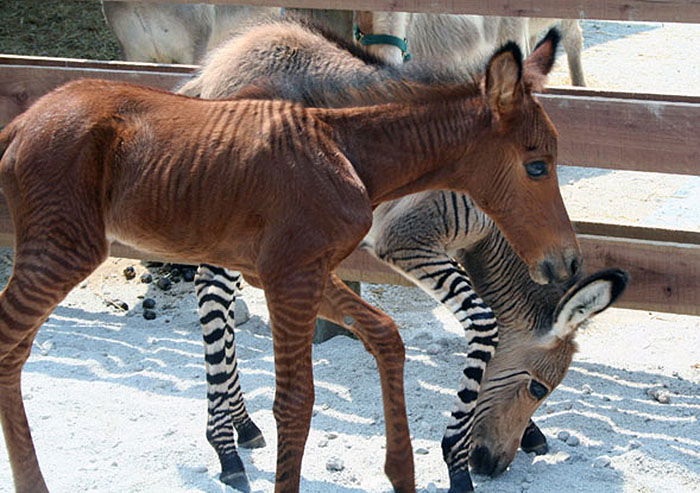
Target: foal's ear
x,y
503,85
541,61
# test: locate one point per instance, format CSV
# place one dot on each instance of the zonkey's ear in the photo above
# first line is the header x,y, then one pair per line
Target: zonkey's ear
x,y
589,297
541,61
503,84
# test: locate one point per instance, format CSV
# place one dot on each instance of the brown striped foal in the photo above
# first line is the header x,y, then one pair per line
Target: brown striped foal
x,y
288,193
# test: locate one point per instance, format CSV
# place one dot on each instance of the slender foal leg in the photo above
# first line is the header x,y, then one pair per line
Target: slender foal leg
x,y
293,298
381,337
44,273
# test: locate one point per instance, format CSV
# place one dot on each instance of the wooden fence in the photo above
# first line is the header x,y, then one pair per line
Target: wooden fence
x,y
604,129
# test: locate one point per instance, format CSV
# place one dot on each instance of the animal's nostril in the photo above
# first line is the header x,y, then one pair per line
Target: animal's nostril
x,y
482,462
574,266
548,271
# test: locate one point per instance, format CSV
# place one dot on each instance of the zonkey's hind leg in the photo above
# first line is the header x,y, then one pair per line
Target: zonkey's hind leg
x,y
381,337
44,272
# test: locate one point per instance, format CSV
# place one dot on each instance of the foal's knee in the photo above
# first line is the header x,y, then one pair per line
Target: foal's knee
x,y
388,340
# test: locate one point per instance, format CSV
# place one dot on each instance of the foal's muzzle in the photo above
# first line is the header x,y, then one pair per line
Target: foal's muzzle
x,y
557,268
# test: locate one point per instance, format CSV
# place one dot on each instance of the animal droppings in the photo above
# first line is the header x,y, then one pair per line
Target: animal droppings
x,y
563,435
334,464
129,273
146,278
188,275
164,283
149,314
149,303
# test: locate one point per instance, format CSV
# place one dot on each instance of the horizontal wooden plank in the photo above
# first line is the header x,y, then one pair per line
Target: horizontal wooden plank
x,y
624,10
606,132
637,232
665,275
45,61
629,134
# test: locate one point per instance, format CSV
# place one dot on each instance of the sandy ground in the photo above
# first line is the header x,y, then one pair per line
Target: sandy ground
x,y
116,402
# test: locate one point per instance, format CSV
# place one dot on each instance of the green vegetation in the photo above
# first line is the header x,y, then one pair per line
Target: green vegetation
x,y
60,28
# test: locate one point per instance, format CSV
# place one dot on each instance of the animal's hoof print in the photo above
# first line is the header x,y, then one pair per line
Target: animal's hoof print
x,y
460,482
250,436
233,473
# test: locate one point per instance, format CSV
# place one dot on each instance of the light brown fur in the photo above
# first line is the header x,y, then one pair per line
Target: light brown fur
x,y
288,192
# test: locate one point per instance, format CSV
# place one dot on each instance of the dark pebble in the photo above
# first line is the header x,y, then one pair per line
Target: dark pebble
x,y
174,272
149,314
149,303
188,275
129,273
146,278
164,283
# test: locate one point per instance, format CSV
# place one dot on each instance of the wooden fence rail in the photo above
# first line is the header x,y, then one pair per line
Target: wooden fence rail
x,y
620,10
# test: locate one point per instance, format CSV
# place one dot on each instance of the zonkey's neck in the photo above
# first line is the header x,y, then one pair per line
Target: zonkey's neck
x,y
503,282
400,149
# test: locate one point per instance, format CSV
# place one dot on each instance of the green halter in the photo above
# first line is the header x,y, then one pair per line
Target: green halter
x,y
382,39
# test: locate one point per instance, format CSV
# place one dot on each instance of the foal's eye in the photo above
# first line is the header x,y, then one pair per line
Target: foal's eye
x,y
537,390
537,169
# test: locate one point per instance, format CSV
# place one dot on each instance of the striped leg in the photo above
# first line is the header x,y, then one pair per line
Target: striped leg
x,y
216,294
439,275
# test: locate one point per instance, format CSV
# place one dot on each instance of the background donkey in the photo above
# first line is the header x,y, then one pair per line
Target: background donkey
x,y
449,39
165,33
434,224
170,33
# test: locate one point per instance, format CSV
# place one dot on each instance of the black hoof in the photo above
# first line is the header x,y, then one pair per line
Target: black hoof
x,y
460,482
534,440
249,435
233,473
238,481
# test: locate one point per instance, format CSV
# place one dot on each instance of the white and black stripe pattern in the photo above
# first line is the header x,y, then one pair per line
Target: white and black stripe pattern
x,y
216,289
423,258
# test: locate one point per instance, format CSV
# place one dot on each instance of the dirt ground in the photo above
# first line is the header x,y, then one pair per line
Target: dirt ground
x,y
116,402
